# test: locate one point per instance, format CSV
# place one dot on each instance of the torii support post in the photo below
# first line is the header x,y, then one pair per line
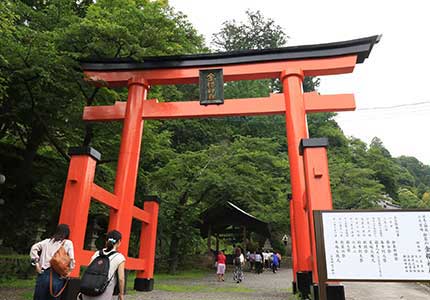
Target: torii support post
x,y
75,207
128,160
295,115
77,197
318,198
145,279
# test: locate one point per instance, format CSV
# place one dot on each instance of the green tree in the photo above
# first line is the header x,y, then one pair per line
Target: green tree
x,y
45,92
256,33
380,160
426,200
249,172
352,186
407,199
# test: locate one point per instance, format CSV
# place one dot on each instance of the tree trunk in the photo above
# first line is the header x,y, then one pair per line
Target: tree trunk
x,y
174,254
175,239
24,187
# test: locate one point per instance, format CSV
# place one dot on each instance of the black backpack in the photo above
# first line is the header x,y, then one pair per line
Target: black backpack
x,y
95,279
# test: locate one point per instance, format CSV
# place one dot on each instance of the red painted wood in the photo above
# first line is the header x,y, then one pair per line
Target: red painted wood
x,y
272,105
318,192
316,103
128,161
76,203
310,67
148,239
141,215
295,116
132,263
101,195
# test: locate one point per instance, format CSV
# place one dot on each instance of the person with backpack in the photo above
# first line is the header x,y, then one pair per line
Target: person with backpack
x,y
50,283
105,270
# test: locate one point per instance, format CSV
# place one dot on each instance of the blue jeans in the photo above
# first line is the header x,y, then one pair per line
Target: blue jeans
x,y
41,292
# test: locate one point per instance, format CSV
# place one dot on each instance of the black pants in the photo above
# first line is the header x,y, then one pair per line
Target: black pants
x,y
258,267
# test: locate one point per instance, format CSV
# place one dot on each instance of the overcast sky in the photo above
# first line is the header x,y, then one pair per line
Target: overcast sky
x,y
394,77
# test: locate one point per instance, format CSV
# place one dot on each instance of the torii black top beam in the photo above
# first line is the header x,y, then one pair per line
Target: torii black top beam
x,y
361,47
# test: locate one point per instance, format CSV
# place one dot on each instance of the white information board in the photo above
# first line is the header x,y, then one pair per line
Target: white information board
x,y
386,245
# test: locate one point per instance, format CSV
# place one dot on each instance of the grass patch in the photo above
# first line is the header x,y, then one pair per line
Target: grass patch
x,y
17,283
28,295
191,274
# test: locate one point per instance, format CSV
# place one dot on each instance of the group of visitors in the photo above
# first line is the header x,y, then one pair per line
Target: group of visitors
x,y
258,260
50,253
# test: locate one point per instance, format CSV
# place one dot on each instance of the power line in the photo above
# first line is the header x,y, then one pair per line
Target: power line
x,y
394,106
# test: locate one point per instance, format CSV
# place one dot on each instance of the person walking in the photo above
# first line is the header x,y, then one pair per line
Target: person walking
x,y
258,263
221,266
251,261
41,254
116,268
279,259
275,262
238,262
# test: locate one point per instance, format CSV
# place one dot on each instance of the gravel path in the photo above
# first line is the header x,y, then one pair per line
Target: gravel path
x,y
266,286
269,286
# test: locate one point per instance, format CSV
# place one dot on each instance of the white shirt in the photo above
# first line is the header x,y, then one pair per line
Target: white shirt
x,y
47,248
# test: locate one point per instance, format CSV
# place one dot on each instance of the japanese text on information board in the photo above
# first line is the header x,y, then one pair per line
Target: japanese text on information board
x,y
392,245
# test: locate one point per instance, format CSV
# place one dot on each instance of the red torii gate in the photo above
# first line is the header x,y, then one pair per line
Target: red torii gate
x,y
289,64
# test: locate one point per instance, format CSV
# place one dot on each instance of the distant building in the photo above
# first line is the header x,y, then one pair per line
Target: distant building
x,y
387,203
267,245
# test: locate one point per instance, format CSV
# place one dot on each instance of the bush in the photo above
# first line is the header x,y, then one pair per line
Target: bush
x,y
16,266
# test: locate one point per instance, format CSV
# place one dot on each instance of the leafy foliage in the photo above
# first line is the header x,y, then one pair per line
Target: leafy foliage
x,y
190,164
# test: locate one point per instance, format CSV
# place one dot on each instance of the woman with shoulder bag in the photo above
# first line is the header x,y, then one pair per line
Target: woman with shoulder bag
x,y
116,268
49,283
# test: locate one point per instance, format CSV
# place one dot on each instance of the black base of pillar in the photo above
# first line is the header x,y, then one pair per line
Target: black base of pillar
x,y
294,287
304,283
72,289
314,294
144,284
334,292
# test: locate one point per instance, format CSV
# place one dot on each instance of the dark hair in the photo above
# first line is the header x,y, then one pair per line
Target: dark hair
x,y
112,238
62,232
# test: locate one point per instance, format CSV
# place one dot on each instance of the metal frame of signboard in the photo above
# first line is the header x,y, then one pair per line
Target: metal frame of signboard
x,y
320,244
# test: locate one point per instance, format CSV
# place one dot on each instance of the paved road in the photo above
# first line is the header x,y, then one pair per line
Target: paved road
x,y
386,291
